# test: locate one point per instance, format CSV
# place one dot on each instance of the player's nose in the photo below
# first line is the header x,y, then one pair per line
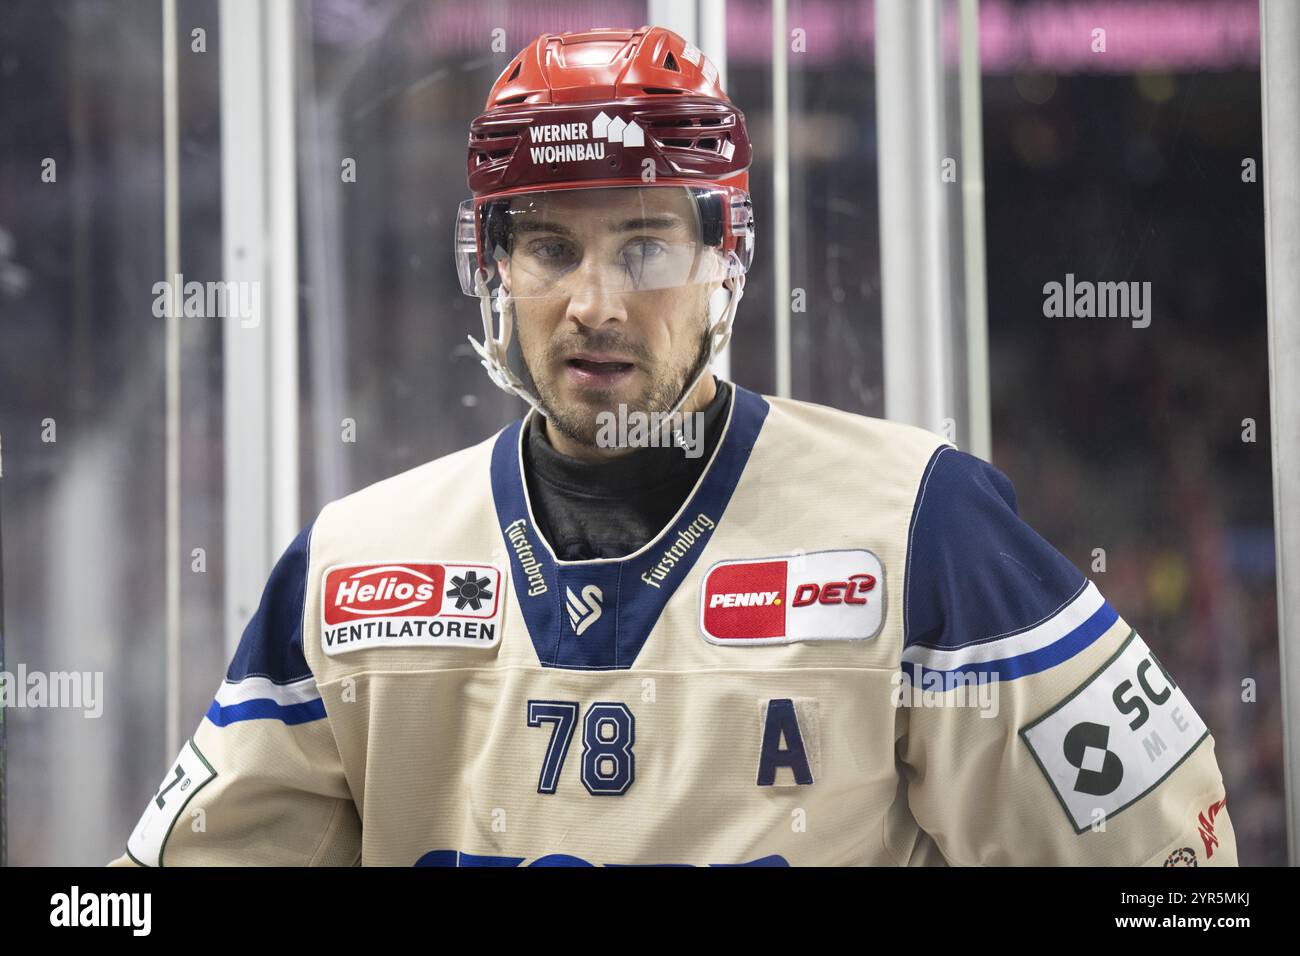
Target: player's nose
x,y
592,304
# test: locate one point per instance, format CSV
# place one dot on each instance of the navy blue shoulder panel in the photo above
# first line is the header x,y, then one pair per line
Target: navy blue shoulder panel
x,y
271,645
975,571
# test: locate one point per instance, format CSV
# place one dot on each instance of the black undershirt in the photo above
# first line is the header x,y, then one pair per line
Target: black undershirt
x,y
610,509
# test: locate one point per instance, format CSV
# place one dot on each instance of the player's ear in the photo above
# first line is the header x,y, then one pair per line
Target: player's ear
x,y
503,267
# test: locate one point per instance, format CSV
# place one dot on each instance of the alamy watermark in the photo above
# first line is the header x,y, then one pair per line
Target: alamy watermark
x,y
133,911
209,300
636,429
69,690
940,689
1084,299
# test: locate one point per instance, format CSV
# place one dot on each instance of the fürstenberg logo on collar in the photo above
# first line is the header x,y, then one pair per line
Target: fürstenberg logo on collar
x,y
574,137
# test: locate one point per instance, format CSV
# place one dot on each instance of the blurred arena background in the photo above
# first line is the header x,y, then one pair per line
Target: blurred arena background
x,y
1125,166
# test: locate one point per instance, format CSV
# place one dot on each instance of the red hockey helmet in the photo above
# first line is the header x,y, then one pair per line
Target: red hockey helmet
x,y
607,108
610,158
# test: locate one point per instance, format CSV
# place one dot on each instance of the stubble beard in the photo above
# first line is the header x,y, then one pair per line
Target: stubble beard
x,y
578,422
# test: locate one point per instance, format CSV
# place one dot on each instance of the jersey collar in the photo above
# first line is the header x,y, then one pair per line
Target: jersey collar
x,y
596,614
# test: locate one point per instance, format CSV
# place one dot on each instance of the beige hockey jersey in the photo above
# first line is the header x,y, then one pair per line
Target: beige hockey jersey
x,y
845,649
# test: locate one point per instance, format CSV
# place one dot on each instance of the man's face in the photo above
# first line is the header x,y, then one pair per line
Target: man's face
x,y
603,318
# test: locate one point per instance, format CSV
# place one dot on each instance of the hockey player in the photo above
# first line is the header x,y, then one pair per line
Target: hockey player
x,y
792,636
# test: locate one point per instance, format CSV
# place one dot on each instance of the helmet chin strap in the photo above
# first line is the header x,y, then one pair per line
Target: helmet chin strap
x,y
722,313
493,351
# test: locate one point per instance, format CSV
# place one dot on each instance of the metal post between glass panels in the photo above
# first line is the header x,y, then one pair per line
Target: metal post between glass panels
x,y
259,238
1280,88
915,278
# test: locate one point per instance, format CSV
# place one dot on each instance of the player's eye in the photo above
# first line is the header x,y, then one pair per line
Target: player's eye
x,y
551,251
644,249
640,254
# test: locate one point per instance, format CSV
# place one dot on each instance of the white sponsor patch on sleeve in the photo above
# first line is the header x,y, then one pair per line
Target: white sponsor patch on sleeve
x,y
1113,740
186,777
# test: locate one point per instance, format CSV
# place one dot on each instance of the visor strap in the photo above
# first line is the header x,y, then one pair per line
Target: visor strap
x,y
719,336
494,350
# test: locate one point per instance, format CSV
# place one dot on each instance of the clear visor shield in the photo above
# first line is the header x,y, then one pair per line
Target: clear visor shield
x,y
612,240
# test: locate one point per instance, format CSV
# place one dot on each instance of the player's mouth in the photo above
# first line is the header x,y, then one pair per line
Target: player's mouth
x,y
597,371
